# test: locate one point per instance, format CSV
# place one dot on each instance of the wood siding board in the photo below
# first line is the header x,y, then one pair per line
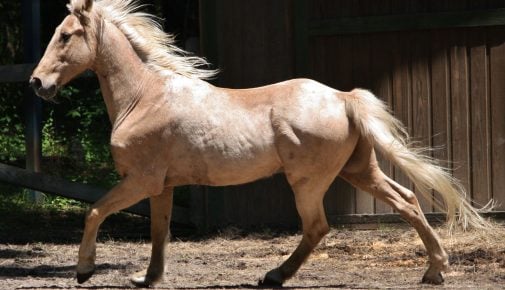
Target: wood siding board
x,y
380,80
402,105
440,90
361,78
421,98
438,5
327,9
460,110
480,141
340,198
495,4
343,80
316,66
497,90
301,37
408,22
16,72
382,86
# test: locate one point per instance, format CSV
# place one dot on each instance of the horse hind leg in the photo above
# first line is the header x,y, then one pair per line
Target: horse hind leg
x,y
309,169
374,181
309,193
311,161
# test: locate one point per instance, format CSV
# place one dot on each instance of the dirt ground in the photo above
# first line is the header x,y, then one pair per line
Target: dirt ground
x,y
390,257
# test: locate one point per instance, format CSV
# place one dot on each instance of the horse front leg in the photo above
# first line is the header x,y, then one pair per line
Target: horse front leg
x,y
161,211
127,193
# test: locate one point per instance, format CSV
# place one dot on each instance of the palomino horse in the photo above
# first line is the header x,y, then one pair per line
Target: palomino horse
x,y
171,128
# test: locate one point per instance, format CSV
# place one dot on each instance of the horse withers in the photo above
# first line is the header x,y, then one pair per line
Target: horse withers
x,y
172,128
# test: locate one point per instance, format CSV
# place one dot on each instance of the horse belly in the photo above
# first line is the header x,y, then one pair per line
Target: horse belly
x,y
238,170
219,161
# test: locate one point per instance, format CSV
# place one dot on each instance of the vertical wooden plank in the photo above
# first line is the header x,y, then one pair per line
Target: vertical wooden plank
x,y
208,31
479,100
438,5
496,57
402,90
460,110
301,37
421,98
361,78
496,3
381,64
381,80
230,57
341,74
440,91
497,91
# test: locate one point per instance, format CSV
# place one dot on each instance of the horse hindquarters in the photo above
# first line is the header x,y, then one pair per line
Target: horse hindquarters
x,y
310,165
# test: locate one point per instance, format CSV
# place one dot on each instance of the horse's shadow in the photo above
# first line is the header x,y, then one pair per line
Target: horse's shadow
x,y
48,271
68,271
238,286
255,286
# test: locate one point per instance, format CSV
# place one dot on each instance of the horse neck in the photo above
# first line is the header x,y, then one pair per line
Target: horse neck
x,y
122,75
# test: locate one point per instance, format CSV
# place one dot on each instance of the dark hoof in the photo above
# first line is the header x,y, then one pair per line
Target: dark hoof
x,y
437,280
269,283
83,277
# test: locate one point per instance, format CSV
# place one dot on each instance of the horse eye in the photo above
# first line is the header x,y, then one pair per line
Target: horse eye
x,y
65,37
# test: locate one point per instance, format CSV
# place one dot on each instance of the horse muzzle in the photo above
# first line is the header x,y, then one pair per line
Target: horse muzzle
x,y
44,91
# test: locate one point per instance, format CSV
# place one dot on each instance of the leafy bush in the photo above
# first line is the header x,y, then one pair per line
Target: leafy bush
x,y
75,132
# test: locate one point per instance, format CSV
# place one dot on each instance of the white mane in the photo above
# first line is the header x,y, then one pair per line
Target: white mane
x,y
155,47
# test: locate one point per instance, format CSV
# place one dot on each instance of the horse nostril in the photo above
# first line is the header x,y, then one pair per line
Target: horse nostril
x,y
35,83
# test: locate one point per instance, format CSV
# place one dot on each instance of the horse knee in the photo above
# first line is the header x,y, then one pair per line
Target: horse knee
x,y
316,232
93,216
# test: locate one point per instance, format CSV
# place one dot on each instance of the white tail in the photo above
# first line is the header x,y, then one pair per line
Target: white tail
x,y
389,136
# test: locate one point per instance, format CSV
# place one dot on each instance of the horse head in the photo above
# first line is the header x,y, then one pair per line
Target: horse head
x,y
71,51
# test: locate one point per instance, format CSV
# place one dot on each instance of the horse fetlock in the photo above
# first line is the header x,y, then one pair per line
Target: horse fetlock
x,y
85,265
440,262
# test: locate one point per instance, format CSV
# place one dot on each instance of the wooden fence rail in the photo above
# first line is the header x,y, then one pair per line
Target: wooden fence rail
x,y
78,191
16,72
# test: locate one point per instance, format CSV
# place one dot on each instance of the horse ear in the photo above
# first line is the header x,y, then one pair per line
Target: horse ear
x,y
80,5
88,4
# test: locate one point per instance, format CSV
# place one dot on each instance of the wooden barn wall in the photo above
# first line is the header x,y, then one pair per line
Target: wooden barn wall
x,y
252,46
446,85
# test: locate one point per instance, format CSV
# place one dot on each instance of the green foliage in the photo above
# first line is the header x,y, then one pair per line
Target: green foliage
x,y
22,201
76,135
11,95
10,32
12,142
75,132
